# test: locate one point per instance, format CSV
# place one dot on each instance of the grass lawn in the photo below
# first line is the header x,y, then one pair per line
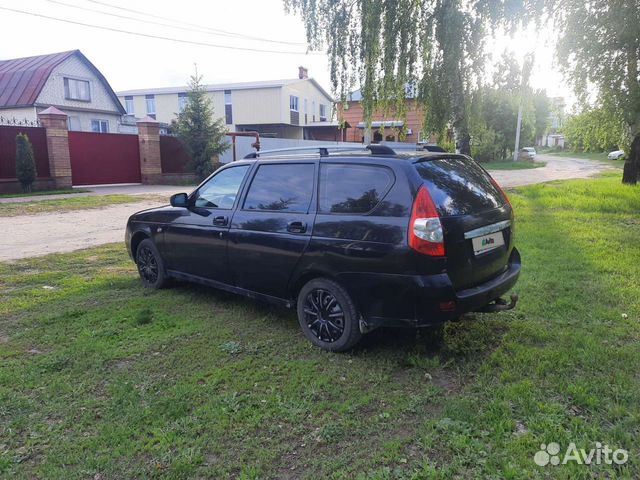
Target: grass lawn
x,y
510,165
73,203
102,379
65,191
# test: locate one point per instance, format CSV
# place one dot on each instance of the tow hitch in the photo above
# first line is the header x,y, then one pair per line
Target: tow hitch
x,y
500,304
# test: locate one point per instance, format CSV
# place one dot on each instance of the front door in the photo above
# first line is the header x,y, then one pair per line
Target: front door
x,y
197,241
272,228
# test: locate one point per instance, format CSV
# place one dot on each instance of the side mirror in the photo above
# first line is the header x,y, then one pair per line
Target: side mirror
x,y
179,200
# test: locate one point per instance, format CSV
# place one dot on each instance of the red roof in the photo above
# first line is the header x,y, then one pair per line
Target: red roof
x,y
22,79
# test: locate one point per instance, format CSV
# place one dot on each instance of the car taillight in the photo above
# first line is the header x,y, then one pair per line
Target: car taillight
x,y
499,188
425,229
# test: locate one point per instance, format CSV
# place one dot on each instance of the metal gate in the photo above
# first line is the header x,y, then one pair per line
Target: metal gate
x,y
104,158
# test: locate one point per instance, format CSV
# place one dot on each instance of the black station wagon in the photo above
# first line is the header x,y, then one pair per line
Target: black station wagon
x,y
354,240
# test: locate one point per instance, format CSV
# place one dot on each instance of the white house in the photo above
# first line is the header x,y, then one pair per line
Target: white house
x,y
65,80
274,108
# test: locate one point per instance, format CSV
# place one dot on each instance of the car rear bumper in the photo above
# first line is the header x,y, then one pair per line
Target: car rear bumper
x,y
424,300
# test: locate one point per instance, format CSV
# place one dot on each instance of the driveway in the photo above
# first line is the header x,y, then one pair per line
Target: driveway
x,y
557,168
32,235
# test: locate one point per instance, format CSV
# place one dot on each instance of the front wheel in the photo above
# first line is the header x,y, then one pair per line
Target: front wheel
x,y
328,316
150,265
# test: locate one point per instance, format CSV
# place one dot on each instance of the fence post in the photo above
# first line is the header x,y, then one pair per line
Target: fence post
x,y
149,144
55,123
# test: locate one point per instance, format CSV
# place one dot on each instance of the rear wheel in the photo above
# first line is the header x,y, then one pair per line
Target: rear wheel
x,y
328,316
150,265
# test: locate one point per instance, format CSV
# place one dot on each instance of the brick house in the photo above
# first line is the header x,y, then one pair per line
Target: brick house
x,y
65,80
384,127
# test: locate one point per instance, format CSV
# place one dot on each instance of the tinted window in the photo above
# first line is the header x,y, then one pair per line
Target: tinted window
x,y
352,188
221,191
286,188
459,186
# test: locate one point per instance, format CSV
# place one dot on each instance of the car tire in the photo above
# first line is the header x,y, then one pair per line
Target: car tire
x,y
328,316
150,265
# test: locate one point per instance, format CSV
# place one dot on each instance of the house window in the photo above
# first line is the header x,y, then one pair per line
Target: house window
x,y
323,113
75,89
306,109
99,126
313,111
293,103
228,110
128,105
73,124
183,99
150,100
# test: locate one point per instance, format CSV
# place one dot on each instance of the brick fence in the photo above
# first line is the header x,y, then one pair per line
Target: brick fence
x,y
55,162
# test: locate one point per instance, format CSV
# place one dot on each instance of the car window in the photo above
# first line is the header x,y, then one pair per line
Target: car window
x,y
222,189
286,188
348,188
459,186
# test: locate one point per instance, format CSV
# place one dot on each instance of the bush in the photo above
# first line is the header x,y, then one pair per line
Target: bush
x,y
25,162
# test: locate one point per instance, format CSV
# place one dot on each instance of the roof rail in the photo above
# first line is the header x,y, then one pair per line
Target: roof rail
x,y
324,150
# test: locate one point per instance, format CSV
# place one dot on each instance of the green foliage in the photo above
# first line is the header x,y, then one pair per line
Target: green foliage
x,y
596,130
201,133
25,162
389,47
494,113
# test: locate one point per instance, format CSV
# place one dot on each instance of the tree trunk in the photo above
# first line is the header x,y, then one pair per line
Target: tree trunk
x,y
631,170
459,113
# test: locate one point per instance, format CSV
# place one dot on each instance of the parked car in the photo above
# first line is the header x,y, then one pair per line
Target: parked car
x,y
527,153
353,240
616,155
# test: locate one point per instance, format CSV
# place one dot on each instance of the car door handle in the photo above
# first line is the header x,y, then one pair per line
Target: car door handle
x,y
297,227
220,221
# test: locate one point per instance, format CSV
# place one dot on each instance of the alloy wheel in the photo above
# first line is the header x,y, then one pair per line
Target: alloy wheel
x,y
147,265
324,315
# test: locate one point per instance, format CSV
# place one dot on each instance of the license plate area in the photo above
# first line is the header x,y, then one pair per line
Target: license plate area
x,y
486,243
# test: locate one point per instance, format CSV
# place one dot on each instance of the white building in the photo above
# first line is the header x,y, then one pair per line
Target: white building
x,y
67,81
274,108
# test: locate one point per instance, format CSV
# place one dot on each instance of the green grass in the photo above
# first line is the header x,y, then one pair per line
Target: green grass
x,y
72,203
509,165
583,155
102,379
65,191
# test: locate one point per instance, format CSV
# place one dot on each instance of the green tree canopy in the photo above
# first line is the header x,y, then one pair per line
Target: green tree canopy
x,y
199,130
387,46
596,130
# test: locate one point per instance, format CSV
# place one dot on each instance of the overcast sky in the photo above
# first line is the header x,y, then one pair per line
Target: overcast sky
x,y
130,61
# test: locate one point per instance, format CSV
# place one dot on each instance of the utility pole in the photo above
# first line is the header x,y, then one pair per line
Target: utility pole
x,y
518,126
527,64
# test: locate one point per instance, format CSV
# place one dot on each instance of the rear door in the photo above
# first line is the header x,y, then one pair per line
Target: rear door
x,y
271,229
476,218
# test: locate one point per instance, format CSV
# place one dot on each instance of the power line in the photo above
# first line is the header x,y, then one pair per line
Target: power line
x,y
157,37
201,27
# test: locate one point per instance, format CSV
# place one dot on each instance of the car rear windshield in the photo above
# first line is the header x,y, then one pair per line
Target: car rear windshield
x,y
459,186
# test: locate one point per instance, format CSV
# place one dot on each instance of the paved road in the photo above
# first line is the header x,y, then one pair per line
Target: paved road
x,y
32,235
557,168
